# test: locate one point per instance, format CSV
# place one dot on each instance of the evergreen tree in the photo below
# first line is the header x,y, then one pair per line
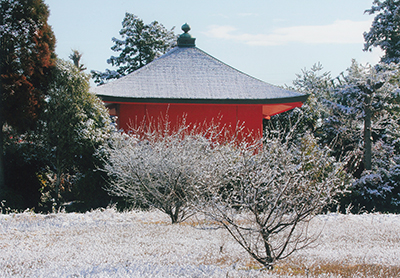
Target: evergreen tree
x,y
73,126
357,116
140,44
365,109
385,30
26,60
317,84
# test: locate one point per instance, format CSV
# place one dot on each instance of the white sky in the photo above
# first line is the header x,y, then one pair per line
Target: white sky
x,y
269,39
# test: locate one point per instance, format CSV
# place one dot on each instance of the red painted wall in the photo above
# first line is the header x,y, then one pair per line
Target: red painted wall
x,y
132,114
250,115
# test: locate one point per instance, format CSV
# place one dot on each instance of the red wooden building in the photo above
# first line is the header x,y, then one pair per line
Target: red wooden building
x,y
188,81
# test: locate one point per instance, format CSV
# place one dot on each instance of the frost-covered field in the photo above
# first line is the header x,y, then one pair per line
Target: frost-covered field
x,y
144,244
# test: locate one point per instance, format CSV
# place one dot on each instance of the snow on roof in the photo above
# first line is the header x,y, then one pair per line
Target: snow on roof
x,y
190,75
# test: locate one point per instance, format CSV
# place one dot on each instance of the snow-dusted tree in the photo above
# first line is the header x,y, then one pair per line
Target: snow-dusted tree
x,y
315,83
385,30
368,95
265,194
378,189
366,106
140,44
356,115
159,167
74,124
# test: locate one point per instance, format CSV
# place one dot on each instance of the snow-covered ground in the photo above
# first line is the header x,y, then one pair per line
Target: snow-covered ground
x,y
106,243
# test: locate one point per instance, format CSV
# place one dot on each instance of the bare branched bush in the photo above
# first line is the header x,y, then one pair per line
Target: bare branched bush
x,y
158,166
265,193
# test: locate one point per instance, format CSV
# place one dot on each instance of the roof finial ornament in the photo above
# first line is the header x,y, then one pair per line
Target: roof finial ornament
x,y
185,28
185,39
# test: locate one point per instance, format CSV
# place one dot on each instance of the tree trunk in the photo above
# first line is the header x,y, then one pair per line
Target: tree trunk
x,y
2,179
57,186
369,92
59,172
367,138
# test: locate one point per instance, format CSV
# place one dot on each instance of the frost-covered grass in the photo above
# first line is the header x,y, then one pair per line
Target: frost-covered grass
x,y
106,243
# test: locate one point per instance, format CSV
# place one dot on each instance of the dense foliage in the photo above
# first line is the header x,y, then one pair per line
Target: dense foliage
x,y
140,44
356,115
74,125
27,58
54,163
366,105
385,30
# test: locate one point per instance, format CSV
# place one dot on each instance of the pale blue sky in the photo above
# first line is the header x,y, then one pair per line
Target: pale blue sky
x,y
270,40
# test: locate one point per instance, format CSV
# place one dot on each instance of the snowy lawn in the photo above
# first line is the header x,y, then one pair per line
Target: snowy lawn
x,y
106,243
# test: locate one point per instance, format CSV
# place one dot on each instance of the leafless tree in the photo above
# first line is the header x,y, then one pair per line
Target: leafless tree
x,y
265,193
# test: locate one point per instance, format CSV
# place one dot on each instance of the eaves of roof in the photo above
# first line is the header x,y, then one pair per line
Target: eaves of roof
x,y
301,98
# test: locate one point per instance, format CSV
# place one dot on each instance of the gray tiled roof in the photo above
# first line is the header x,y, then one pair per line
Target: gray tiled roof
x,y
188,74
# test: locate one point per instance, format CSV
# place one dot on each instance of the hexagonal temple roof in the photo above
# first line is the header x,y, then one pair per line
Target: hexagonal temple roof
x,y
187,74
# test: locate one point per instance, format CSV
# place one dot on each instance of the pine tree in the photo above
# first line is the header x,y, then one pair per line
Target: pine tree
x,y
140,44
366,107
385,30
357,116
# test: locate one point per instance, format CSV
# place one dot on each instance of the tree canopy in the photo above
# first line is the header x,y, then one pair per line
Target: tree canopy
x,y
27,58
140,44
356,115
385,30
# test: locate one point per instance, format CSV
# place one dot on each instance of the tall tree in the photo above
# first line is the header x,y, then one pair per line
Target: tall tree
x,y
26,59
140,44
366,107
385,30
367,94
74,125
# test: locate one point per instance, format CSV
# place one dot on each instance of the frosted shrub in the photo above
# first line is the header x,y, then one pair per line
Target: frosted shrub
x,y
265,194
158,167
377,190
